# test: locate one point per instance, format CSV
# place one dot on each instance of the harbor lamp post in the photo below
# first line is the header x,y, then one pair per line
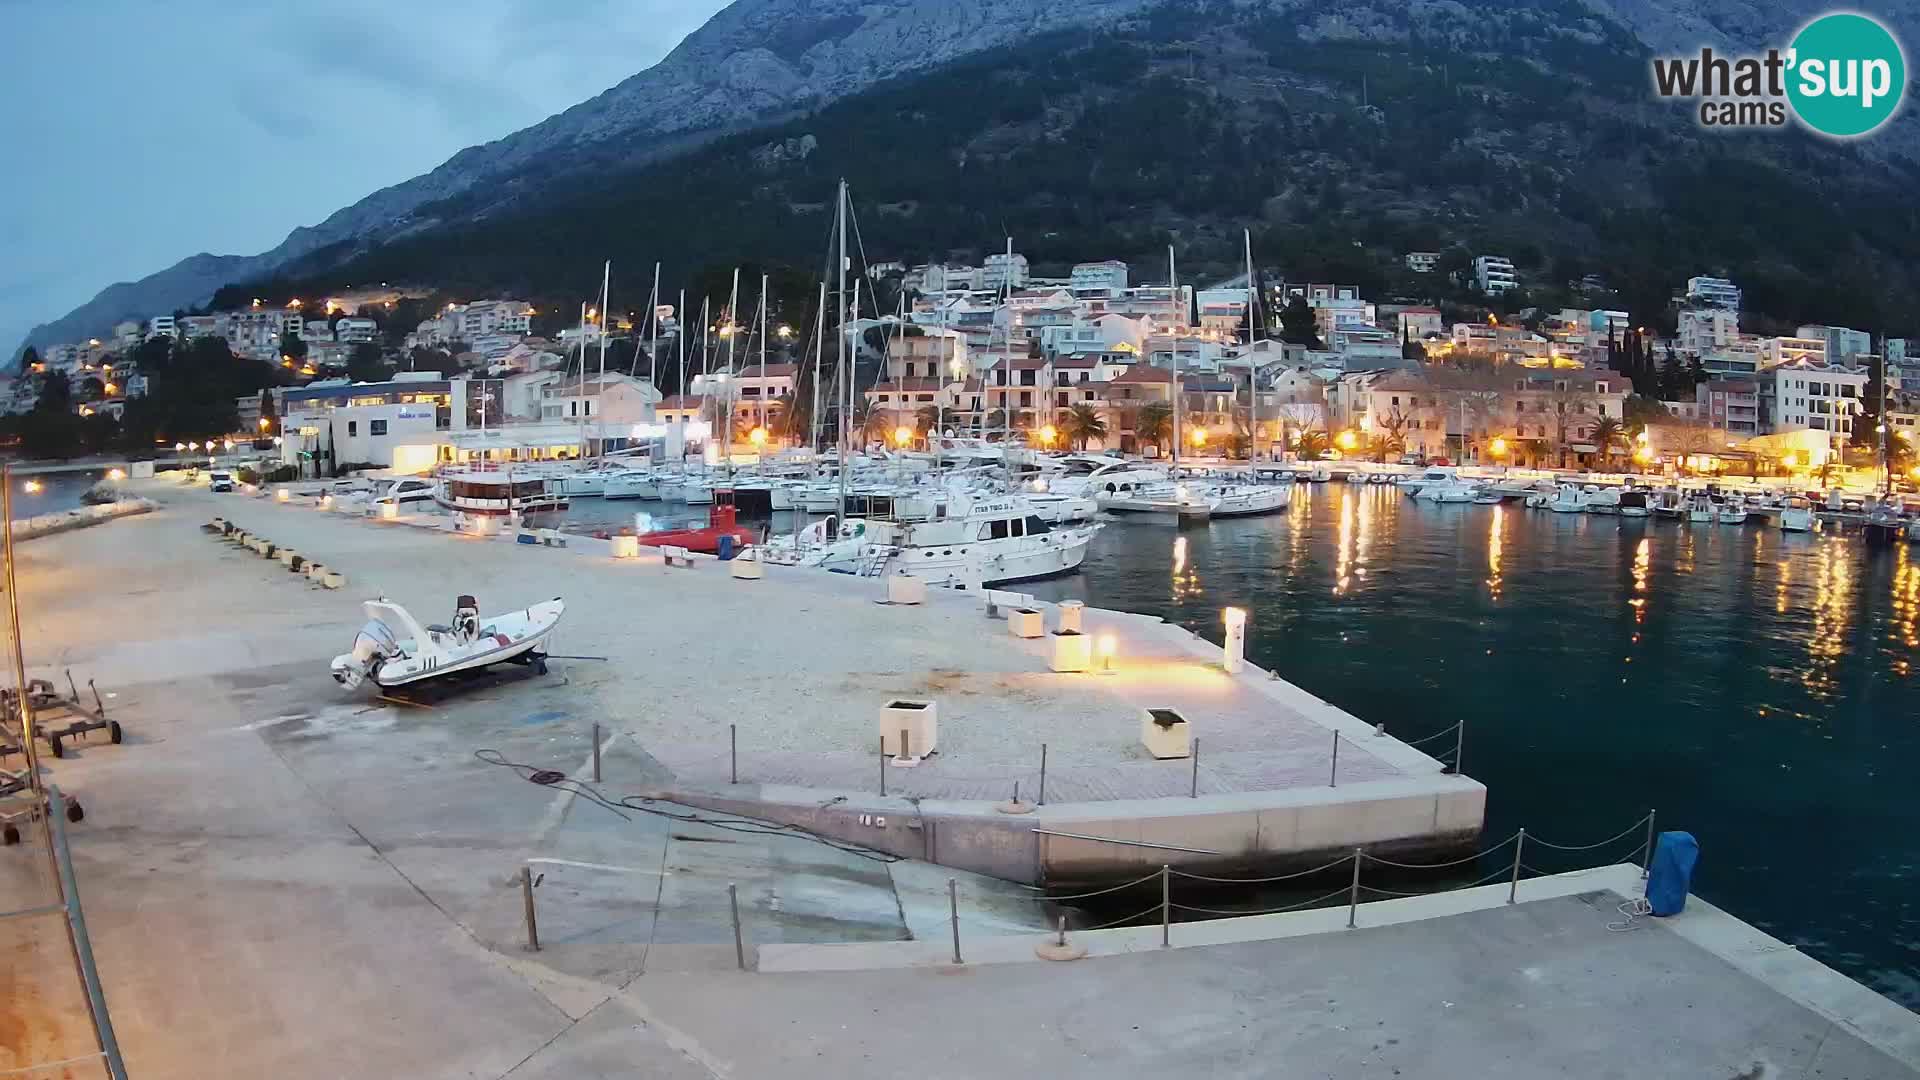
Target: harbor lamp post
x,y
1047,435
903,436
1498,447
758,437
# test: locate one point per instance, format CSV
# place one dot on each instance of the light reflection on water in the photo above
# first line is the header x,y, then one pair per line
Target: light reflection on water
x,y
1771,708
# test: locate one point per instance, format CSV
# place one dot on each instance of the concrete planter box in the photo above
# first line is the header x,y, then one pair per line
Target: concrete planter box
x,y
389,511
286,556
1026,623
746,569
624,547
282,495
1072,651
1070,611
919,719
902,589
314,571
333,580
1165,733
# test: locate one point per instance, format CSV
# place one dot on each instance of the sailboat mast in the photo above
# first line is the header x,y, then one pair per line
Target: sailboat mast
x,y
840,302
1006,397
1173,297
763,350
819,359
653,315
606,320
680,346
1253,368
733,331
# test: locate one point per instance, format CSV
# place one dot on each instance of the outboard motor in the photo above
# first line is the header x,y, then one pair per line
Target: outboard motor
x,y
466,618
371,648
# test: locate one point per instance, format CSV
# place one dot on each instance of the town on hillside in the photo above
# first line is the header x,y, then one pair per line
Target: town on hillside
x,y
1268,368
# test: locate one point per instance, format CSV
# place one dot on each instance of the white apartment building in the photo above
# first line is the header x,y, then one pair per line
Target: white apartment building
x,y
1817,396
1494,274
355,330
1335,307
1842,343
1417,322
162,326
1713,292
1111,274
1708,329
1423,262
1778,351
1004,271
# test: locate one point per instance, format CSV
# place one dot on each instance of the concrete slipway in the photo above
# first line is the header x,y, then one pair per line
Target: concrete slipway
x,y
285,882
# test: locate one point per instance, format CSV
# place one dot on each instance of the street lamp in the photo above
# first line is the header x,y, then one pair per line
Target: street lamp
x,y
903,435
265,423
1347,440
1047,435
1498,446
785,331
179,446
1199,437
758,437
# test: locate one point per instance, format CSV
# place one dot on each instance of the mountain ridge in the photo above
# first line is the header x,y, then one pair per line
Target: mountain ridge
x,y
758,61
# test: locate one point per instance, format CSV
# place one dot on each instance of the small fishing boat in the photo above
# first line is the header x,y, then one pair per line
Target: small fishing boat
x,y
1731,512
393,649
1633,504
722,527
1568,499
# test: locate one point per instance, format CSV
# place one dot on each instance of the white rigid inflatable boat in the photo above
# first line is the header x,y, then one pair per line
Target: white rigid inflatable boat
x,y
394,649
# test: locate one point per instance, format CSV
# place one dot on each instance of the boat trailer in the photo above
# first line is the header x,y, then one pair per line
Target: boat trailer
x,y
49,708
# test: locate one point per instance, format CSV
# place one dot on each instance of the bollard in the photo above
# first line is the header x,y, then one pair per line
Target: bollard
x,y
739,946
953,905
1513,887
1333,774
1353,891
596,751
526,895
1646,864
1043,774
1194,791
1166,905
733,753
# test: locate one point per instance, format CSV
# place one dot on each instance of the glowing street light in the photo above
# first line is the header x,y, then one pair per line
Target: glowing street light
x,y
116,474
226,444
785,331
1498,446
1199,437
758,437
903,435
1644,453
1347,440
32,487
1048,434
1791,461
179,446
194,446
265,423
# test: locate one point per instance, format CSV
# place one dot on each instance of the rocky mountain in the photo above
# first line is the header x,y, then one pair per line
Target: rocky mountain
x,y
772,97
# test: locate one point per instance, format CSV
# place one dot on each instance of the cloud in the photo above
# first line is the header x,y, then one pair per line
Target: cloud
x,y
199,125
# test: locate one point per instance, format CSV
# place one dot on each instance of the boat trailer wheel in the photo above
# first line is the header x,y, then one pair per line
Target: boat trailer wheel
x,y
9,835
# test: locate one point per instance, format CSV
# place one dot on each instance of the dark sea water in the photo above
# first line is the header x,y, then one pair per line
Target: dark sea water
x,y
58,491
1756,688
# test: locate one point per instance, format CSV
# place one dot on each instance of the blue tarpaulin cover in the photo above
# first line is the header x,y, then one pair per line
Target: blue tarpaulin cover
x,y
1674,855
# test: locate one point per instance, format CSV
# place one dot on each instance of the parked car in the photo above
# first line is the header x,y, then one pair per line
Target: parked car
x,y
220,480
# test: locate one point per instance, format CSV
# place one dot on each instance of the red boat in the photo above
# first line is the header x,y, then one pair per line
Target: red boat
x,y
721,525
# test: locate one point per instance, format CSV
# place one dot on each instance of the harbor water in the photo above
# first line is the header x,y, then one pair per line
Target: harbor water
x,y
1756,688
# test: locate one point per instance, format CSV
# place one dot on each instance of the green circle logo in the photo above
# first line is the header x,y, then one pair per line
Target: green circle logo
x,y
1846,75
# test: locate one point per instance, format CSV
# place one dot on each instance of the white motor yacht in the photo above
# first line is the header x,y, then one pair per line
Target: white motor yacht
x,y
631,484
1443,484
1248,500
492,491
1603,501
1635,504
406,492
1731,512
980,542
1568,499
1700,509
1797,515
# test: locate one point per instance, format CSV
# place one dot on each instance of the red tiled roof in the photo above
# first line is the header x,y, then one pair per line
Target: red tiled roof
x,y
1145,373
680,401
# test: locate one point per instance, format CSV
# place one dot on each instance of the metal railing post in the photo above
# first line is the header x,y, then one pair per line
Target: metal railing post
x,y
1353,891
1333,774
526,898
1513,887
1195,792
883,766
733,753
739,945
1646,861
953,906
82,944
1166,905
1043,774
1459,747
596,751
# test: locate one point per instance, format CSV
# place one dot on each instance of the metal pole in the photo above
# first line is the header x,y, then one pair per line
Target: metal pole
x,y
82,944
526,896
1646,863
1043,774
1459,746
1333,775
733,753
953,905
883,766
1195,792
1166,905
596,751
739,946
1513,887
1353,891
29,755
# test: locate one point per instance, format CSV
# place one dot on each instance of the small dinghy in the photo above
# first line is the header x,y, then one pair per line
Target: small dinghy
x,y
395,650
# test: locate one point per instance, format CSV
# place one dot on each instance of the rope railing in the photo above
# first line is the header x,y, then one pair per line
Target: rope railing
x,y
1315,902
1341,861
1128,919
1448,730
1621,835
1475,857
1155,876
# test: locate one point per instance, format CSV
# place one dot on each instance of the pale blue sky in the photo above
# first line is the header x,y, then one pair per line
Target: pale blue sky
x,y
139,133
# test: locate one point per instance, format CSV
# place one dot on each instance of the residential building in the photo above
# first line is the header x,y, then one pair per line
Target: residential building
x,y
1423,262
1707,329
355,330
1335,307
1843,345
1542,416
402,424
933,353
1116,336
1110,275
1417,322
1494,274
1779,351
608,403
1713,292
1730,405
127,335
1821,397
1222,311
1003,271
162,326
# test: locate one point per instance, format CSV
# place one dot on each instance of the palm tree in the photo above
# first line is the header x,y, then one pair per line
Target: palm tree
x,y
1154,423
1083,423
1311,444
1606,432
877,425
926,419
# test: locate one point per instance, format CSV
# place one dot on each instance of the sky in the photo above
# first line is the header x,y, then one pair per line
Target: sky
x,y
139,133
